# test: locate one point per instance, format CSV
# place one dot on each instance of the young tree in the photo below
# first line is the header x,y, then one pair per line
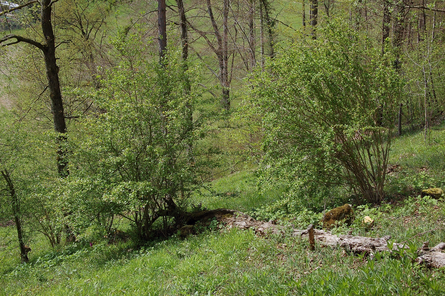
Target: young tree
x,y
136,155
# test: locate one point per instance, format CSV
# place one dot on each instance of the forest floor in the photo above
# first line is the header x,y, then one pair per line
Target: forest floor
x,y
222,260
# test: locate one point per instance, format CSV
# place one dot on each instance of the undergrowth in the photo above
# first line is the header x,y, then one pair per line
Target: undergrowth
x,y
220,261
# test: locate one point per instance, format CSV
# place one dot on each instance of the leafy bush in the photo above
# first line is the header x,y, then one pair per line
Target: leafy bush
x,y
138,157
327,108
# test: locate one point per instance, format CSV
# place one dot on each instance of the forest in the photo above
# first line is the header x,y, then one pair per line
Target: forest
x,y
185,147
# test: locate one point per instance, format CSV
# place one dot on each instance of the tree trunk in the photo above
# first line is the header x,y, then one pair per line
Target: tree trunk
x,y
314,17
399,32
185,48
399,121
386,24
262,35
52,73
225,100
162,27
252,33
222,51
269,24
16,212
303,3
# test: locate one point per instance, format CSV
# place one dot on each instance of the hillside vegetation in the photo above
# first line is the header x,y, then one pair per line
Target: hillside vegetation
x,y
132,131
219,261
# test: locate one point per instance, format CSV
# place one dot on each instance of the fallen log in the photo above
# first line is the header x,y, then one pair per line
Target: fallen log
x,y
433,258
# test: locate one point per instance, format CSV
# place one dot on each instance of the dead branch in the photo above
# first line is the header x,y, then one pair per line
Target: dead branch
x,y
426,8
17,8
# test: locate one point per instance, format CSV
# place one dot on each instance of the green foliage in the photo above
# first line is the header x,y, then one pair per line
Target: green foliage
x,y
140,156
26,156
230,263
321,101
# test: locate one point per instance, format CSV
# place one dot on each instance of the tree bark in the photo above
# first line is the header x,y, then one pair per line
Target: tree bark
x,y
314,17
52,73
386,24
162,28
185,49
17,215
303,3
399,33
221,51
269,25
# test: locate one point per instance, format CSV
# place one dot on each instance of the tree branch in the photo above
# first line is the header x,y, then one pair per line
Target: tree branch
x,y
427,8
17,8
21,39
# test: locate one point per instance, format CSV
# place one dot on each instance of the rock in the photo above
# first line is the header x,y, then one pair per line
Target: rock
x,y
368,222
433,192
340,214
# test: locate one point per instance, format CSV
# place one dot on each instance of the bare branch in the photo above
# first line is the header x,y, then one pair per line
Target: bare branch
x,y
427,8
203,35
21,39
52,2
17,8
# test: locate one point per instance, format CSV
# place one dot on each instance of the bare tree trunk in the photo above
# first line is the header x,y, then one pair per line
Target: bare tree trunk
x,y
221,51
425,102
399,32
162,28
269,24
314,17
421,24
225,100
386,24
16,212
184,31
262,35
52,73
252,33
185,49
399,121
303,3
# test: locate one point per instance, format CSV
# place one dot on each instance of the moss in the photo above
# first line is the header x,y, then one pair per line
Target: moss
x,y
433,192
344,213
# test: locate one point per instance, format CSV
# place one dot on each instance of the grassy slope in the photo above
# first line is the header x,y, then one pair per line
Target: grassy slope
x,y
234,262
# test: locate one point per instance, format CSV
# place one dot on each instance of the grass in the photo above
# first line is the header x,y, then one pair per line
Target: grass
x,y
420,164
236,262
236,191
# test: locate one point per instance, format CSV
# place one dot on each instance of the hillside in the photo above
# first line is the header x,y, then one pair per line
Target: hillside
x,y
186,147
219,261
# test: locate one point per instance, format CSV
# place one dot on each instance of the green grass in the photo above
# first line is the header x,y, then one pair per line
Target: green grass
x,y
236,262
236,191
421,163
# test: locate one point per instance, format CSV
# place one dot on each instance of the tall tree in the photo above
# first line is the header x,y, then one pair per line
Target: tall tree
x,y
386,24
314,17
48,48
162,28
221,49
266,17
185,53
